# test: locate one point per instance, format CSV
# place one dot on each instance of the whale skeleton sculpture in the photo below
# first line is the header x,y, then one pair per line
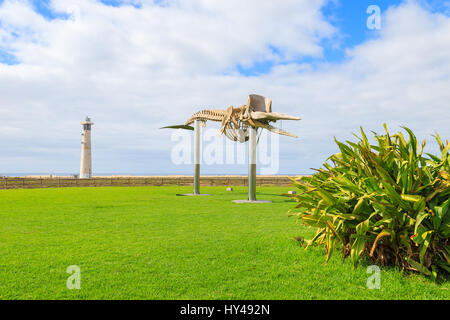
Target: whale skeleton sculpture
x,y
257,113
238,124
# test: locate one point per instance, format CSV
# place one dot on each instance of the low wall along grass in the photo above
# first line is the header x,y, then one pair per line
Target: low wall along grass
x,y
30,183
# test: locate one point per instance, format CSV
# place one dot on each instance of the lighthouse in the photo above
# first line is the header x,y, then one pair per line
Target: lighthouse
x,y
86,151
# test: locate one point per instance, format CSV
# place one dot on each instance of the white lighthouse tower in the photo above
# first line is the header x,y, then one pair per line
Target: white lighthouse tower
x,y
86,152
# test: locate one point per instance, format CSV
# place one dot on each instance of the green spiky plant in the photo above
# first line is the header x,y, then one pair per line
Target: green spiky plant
x,y
386,201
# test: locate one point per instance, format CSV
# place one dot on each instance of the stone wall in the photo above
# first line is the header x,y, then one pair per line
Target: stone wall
x,y
55,182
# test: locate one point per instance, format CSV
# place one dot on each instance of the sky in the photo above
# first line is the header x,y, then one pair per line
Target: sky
x,y
134,66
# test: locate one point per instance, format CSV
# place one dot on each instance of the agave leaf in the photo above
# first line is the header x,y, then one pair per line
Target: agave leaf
x,y
356,250
444,231
439,141
419,267
359,206
424,143
384,174
333,230
315,221
420,206
381,222
445,153
420,217
426,236
348,217
395,197
326,196
330,247
412,140
433,157
345,150
401,142
412,197
380,235
319,233
444,266
363,227
387,134
442,210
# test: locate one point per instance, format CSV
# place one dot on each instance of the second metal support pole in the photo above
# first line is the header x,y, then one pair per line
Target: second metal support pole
x,y
252,142
197,153
252,164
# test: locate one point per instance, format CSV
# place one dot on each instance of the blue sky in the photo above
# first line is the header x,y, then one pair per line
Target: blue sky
x,y
136,67
349,17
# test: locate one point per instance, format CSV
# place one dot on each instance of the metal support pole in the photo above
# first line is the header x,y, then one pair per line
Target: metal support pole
x,y
252,141
197,153
197,160
252,164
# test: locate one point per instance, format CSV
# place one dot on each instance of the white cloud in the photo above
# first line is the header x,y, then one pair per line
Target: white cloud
x,y
136,69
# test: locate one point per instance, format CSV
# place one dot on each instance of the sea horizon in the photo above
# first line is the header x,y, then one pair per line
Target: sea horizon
x,y
62,174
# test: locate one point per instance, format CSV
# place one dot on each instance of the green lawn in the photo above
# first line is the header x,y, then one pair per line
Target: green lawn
x,y
146,243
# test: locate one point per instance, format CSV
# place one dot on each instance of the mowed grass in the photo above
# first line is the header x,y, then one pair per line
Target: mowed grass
x,y
147,243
